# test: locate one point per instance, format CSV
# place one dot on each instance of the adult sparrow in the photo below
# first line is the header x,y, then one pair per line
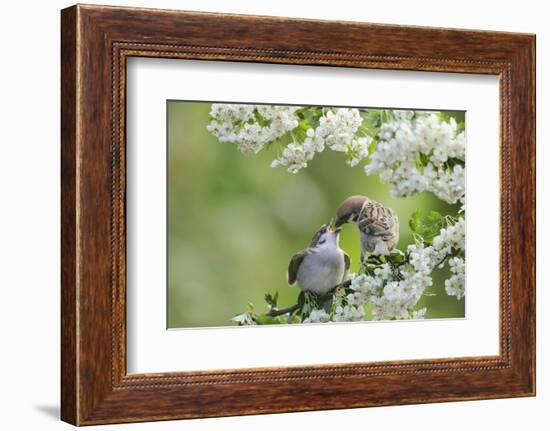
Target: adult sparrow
x,y
377,224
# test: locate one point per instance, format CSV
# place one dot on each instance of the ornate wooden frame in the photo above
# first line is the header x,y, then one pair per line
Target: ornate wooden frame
x,y
95,43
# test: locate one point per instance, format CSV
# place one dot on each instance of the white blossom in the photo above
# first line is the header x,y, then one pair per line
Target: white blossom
x,y
358,149
384,272
239,124
419,314
317,316
454,286
337,131
414,153
243,319
452,236
440,136
294,157
338,127
449,185
395,296
349,313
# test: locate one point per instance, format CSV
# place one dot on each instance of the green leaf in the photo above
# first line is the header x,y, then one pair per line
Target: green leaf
x,y
373,144
443,116
260,119
396,256
426,226
422,160
418,163
300,113
326,302
312,116
304,124
414,222
452,162
374,117
271,300
311,301
262,319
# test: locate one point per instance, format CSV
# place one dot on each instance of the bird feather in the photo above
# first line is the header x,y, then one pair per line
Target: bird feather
x,y
378,220
294,266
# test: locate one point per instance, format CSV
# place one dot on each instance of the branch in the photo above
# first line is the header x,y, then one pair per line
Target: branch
x,y
291,309
275,313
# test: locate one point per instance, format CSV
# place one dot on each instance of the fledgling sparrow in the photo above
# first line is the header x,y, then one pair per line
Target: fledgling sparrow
x,y
322,266
378,225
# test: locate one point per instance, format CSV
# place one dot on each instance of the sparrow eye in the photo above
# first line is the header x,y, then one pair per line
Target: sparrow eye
x,y
322,241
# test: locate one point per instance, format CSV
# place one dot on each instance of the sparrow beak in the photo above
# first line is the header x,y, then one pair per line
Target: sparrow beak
x,y
339,222
333,227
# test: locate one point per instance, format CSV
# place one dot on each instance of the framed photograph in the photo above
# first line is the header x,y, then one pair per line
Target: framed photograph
x,y
331,214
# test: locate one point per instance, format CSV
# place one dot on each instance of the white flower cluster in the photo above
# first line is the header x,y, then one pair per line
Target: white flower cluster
x,y
243,319
239,124
358,150
451,237
294,157
419,314
400,296
454,286
448,185
317,316
413,152
395,293
337,130
349,313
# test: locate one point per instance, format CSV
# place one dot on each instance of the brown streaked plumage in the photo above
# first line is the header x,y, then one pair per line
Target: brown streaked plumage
x,y
378,224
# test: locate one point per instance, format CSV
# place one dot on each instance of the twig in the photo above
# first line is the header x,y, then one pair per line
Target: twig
x,y
291,309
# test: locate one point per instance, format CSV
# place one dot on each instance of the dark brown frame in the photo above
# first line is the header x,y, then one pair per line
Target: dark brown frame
x,y
95,43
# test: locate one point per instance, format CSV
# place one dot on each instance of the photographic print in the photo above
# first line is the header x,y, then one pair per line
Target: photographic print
x,y
270,194
285,214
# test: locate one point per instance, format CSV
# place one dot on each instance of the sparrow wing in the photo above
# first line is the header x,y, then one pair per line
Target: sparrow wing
x,y
294,266
379,220
347,264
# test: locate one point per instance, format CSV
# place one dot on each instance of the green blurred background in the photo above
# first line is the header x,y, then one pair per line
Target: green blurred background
x,y
234,222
